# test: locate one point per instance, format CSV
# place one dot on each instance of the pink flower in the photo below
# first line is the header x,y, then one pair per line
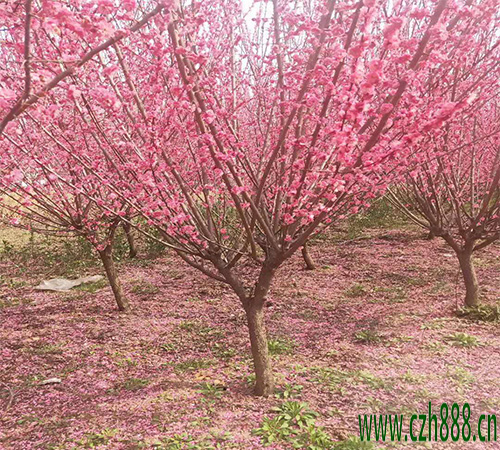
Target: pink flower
x,y
386,108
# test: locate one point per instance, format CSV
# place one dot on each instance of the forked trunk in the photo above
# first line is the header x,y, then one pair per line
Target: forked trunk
x,y
109,266
470,278
130,239
307,258
264,380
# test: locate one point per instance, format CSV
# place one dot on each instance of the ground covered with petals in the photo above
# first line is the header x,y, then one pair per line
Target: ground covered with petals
x,y
373,330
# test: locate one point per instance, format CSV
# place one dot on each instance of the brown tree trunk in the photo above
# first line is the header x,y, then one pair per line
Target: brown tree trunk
x,y
307,258
130,239
254,308
470,278
109,265
430,236
264,380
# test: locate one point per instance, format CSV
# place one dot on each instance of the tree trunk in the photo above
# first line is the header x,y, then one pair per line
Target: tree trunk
x,y
264,380
130,239
307,258
430,236
470,279
254,308
109,265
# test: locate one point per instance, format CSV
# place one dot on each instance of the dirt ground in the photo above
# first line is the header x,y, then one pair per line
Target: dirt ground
x,y
373,330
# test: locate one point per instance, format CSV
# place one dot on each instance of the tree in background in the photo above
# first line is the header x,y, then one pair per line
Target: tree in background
x,y
455,191
241,133
43,45
46,192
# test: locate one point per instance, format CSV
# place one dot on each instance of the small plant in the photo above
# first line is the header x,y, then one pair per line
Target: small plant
x,y
462,376
354,443
212,390
436,347
332,378
462,340
93,287
481,313
372,380
368,336
126,362
169,347
135,384
93,440
356,290
48,349
374,404
434,324
182,441
289,391
193,364
280,346
294,424
188,325
142,287
410,377
223,351
272,430
250,380
296,413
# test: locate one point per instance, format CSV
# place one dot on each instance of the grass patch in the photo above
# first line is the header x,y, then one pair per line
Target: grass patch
x,y
93,287
356,290
193,364
222,351
280,346
97,439
211,390
462,340
48,349
9,302
32,253
368,336
480,313
381,214
142,287
135,384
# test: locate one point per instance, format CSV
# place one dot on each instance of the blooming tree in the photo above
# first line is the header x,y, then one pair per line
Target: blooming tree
x,y
45,43
455,191
44,191
49,191
240,131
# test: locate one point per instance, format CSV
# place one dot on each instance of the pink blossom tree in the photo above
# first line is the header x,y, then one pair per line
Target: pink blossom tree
x,y
44,191
454,191
248,130
45,43
49,189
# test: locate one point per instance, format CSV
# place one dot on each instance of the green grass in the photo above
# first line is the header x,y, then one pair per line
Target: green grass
x,y
93,287
480,313
462,340
135,384
368,336
356,290
143,287
193,364
48,349
280,346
